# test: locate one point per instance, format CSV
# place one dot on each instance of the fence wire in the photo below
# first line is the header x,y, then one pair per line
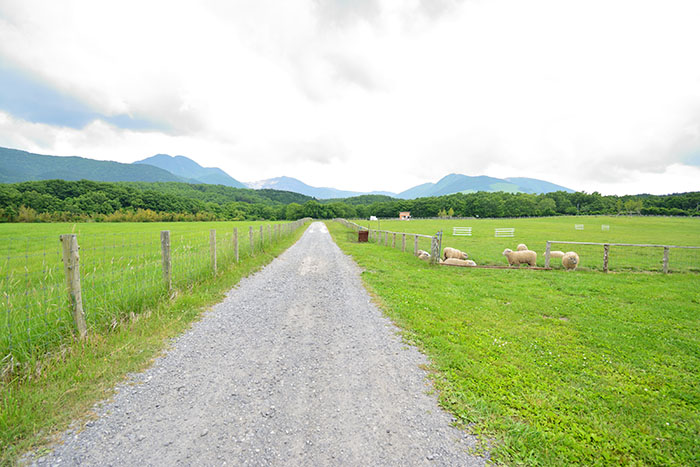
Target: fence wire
x,y
121,274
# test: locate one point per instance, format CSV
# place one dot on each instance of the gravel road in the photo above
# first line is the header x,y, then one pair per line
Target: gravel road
x,y
295,367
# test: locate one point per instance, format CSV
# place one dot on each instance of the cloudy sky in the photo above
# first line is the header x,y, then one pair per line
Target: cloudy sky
x,y
364,94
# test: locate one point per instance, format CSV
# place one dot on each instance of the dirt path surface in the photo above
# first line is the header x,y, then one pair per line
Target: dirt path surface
x,y
295,367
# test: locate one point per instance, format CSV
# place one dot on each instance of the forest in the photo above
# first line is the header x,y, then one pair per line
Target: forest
x,y
85,201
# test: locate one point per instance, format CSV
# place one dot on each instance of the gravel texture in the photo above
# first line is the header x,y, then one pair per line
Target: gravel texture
x,y
295,367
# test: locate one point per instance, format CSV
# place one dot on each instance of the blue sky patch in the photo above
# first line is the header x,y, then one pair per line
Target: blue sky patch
x,y
28,98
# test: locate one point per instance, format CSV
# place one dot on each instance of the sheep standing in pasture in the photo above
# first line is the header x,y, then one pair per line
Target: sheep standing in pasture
x,y
521,247
516,258
449,252
556,254
458,262
570,260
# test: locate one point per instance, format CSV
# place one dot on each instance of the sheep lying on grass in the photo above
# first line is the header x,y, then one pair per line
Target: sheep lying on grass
x,y
448,253
458,262
424,255
570,260
521,247
516,258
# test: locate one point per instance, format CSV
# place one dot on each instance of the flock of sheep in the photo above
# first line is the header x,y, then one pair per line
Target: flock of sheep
x,y
521,255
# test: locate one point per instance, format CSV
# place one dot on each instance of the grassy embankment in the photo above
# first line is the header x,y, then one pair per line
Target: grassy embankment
x,y
50,389
556,367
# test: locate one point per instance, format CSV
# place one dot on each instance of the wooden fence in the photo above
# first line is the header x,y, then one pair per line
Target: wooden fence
x,y
665,260
383,236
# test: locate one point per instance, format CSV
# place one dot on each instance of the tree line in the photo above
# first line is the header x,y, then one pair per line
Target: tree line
x,y
71,201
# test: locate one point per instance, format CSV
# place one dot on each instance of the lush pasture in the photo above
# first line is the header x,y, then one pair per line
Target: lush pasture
x,y
484,248
121,273
557,368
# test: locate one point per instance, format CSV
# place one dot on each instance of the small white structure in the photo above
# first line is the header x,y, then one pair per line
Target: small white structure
x,y
578,226
505,232
462,231
405,215
605,227
373,218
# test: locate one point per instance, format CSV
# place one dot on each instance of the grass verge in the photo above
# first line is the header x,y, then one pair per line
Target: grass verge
x,y
557,367
41,402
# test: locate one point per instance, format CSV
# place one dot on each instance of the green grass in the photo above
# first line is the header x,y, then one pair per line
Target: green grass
x,y
484,248
121,274
52,390
556,367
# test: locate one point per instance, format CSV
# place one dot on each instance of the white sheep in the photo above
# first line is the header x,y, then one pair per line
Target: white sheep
x,y
516,258
449,252
570,260
424,255
458,262
556,254
521,247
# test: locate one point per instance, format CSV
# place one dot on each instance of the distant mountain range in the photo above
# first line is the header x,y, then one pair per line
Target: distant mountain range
x,y
189,169
19,166
457,183
297,186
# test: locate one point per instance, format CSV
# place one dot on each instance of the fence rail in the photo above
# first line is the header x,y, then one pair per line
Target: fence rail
x,y
54,287
430,243
647,254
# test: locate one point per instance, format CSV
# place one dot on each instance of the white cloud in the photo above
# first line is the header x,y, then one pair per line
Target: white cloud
x,y
376,94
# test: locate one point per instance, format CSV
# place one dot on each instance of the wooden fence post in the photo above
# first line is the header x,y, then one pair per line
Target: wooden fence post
x,y
547,251
212,249
393,240
269,233
71,266
434,249
606,256
666,252
386,238
252,244
235,242
262,238
415,245
167,264
403,243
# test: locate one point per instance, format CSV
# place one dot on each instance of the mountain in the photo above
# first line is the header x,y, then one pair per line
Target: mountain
x,y
21,166
297,186
458,183
537,186
187,168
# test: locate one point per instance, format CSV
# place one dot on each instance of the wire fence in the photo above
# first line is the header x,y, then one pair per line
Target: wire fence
x,y
408,242
627,257
117,275
487,251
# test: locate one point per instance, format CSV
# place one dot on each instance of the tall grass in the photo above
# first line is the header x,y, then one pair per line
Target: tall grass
x,y
121,275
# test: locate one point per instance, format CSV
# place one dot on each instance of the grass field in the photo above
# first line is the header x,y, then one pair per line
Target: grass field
x,y
555,367
484,248
121,274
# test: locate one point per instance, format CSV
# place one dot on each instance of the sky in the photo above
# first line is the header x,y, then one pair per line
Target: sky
x,y
364,94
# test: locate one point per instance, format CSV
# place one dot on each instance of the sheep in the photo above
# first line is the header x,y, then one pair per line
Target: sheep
x,y
570,260
448,252
556,254
424,255
521,247
516,258
458,262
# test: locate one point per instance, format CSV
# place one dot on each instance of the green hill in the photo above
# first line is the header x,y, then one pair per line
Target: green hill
x,y
21,166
